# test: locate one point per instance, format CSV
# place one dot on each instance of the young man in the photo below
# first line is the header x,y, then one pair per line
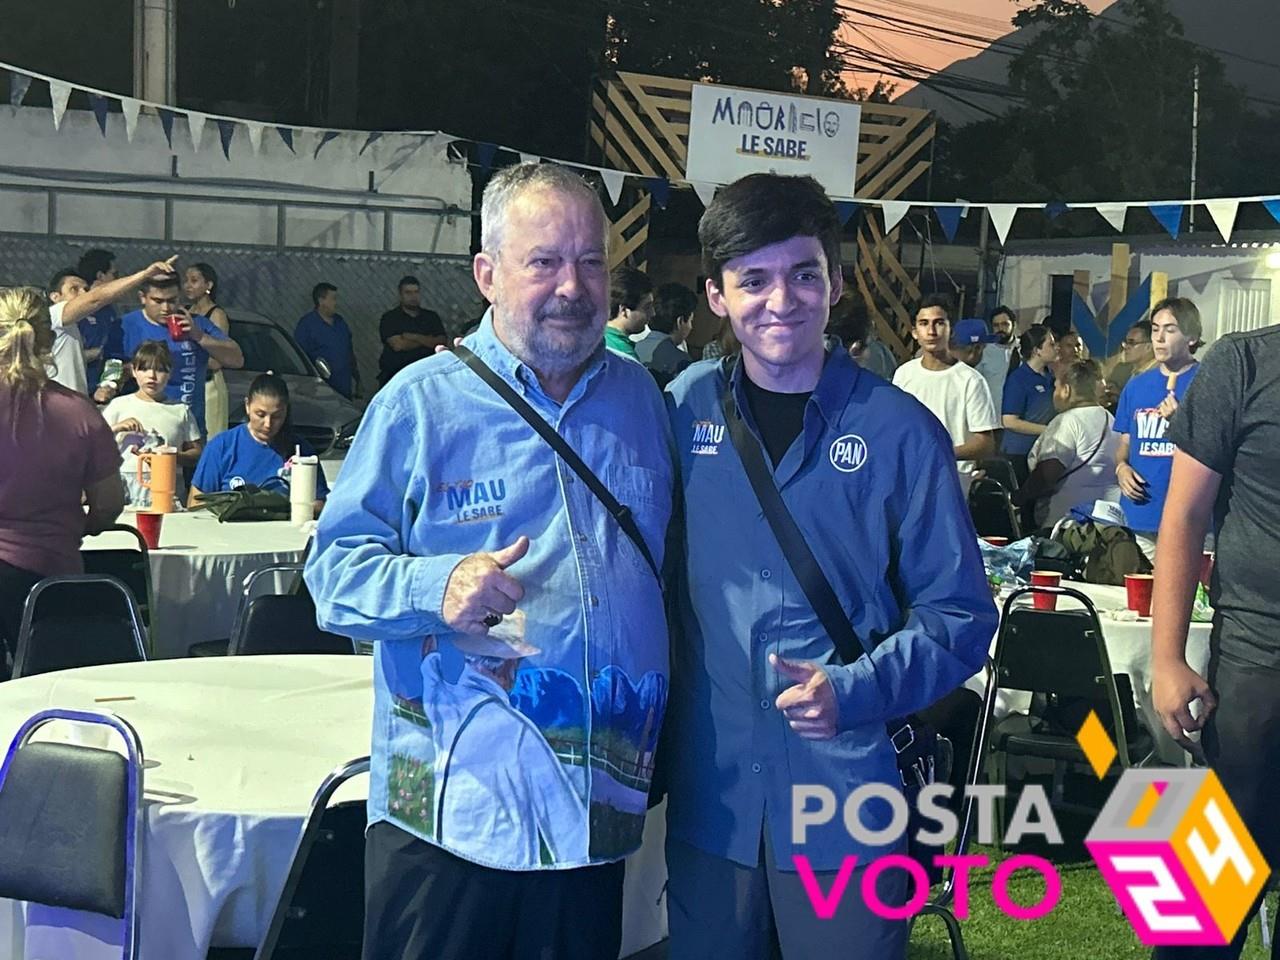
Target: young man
x,y
456,528
1226,462
1144,459
1136,355
408,332
323,334
198,339
998,352
71,300
760,700
670,323
955,392
99,331
630,303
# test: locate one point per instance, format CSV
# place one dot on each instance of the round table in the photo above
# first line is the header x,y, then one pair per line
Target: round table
x,y
234,750
199,569
1129,647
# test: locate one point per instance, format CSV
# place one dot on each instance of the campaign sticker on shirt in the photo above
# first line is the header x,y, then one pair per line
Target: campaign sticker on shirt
x,y
707,437
848,453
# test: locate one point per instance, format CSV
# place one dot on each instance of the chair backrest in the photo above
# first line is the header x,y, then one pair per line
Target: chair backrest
x,y
130,566
71,822
284,624
1001,471
321,908
973,776
1063,653
992,510
79,620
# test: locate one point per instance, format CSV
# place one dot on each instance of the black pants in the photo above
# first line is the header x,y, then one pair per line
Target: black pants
x,y
15,584
1242,744
423,903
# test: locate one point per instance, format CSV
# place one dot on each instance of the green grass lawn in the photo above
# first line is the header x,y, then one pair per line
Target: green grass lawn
x,y
1086,925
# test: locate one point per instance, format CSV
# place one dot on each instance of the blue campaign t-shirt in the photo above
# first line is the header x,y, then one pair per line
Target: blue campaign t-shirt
x,y
1028,395
1150,453
190,360
100,331
234,458
330,343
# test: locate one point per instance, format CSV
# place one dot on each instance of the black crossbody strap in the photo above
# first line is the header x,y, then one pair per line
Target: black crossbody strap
x,y
814,583
619,511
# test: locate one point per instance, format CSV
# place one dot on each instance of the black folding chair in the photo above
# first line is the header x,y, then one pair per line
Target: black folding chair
x,y
130,566
992,510
282,623
1061,656
71,822
1001,471
80,620
321,908
939,903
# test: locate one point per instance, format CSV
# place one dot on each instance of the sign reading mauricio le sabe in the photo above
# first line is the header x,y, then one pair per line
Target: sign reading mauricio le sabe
x,y
734,132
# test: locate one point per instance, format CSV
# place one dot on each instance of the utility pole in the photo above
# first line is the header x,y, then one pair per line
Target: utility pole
x,y
983,253
1195,141
155,40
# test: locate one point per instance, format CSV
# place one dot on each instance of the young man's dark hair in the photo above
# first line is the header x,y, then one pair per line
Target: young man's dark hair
x,y
409,280
850,321
670,302
1002,310
938,300
167,282
627,287
1188,316
94,262
764,209
320,290
55,284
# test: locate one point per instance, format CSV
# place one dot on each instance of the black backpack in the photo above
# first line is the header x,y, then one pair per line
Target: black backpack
x,y
1102,552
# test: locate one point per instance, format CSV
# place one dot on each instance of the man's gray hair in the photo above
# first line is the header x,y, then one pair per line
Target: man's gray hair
x,y
509,182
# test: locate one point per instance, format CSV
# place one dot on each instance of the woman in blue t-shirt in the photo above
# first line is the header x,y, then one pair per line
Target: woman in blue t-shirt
x,y
258,451
1027,406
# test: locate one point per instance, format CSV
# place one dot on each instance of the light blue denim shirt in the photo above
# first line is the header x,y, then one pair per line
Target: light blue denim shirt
x,y
547,758
871,482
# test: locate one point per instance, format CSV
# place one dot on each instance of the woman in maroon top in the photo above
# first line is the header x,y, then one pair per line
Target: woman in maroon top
x,y
56,455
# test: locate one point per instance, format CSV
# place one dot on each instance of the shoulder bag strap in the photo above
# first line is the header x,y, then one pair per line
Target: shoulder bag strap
x,y
1106,429
619,511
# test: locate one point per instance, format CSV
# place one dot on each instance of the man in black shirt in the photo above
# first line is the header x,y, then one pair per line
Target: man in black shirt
x,y
408,332
1225,469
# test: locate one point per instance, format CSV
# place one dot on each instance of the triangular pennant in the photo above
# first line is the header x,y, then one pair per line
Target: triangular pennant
x,y
485,153
195,124
1114,214
949,217
130,108
1273,208
255,134
99,105
1054,209
706,191
59,94
530,158
660,189
1223,213
613,183
166,122
370,140
440,144
1002,215
226,130
844,210
325,138
19,84
894,211
286,134
1169,215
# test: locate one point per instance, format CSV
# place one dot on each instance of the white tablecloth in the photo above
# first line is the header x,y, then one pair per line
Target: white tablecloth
x,y
1129,647
197,573
235,749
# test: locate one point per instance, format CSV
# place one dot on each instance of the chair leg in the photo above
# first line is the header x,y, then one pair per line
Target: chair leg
x,y
1059,792
997,767
1263,920
958,950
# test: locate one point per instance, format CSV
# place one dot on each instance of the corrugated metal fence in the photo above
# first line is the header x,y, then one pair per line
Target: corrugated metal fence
x,y
276,284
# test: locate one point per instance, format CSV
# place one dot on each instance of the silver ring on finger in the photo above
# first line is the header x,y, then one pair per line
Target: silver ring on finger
x,y
492,620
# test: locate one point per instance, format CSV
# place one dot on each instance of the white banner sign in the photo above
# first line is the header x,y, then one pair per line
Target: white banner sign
x,y
735,132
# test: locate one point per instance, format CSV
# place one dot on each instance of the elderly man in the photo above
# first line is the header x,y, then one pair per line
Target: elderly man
x,y
456,521
762,698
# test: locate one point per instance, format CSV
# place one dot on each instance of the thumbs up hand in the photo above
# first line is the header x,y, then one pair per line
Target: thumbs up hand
x,y
810,705
480,592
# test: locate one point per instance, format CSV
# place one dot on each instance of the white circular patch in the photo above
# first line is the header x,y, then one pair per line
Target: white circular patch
x,y
848,453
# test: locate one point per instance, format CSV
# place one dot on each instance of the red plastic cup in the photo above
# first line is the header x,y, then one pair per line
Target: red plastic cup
x,y
1206,568
1045,578
148,525
176,331
997,541
1138,588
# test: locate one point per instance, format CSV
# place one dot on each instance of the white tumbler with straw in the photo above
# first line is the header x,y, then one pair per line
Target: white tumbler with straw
x,y
302,487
